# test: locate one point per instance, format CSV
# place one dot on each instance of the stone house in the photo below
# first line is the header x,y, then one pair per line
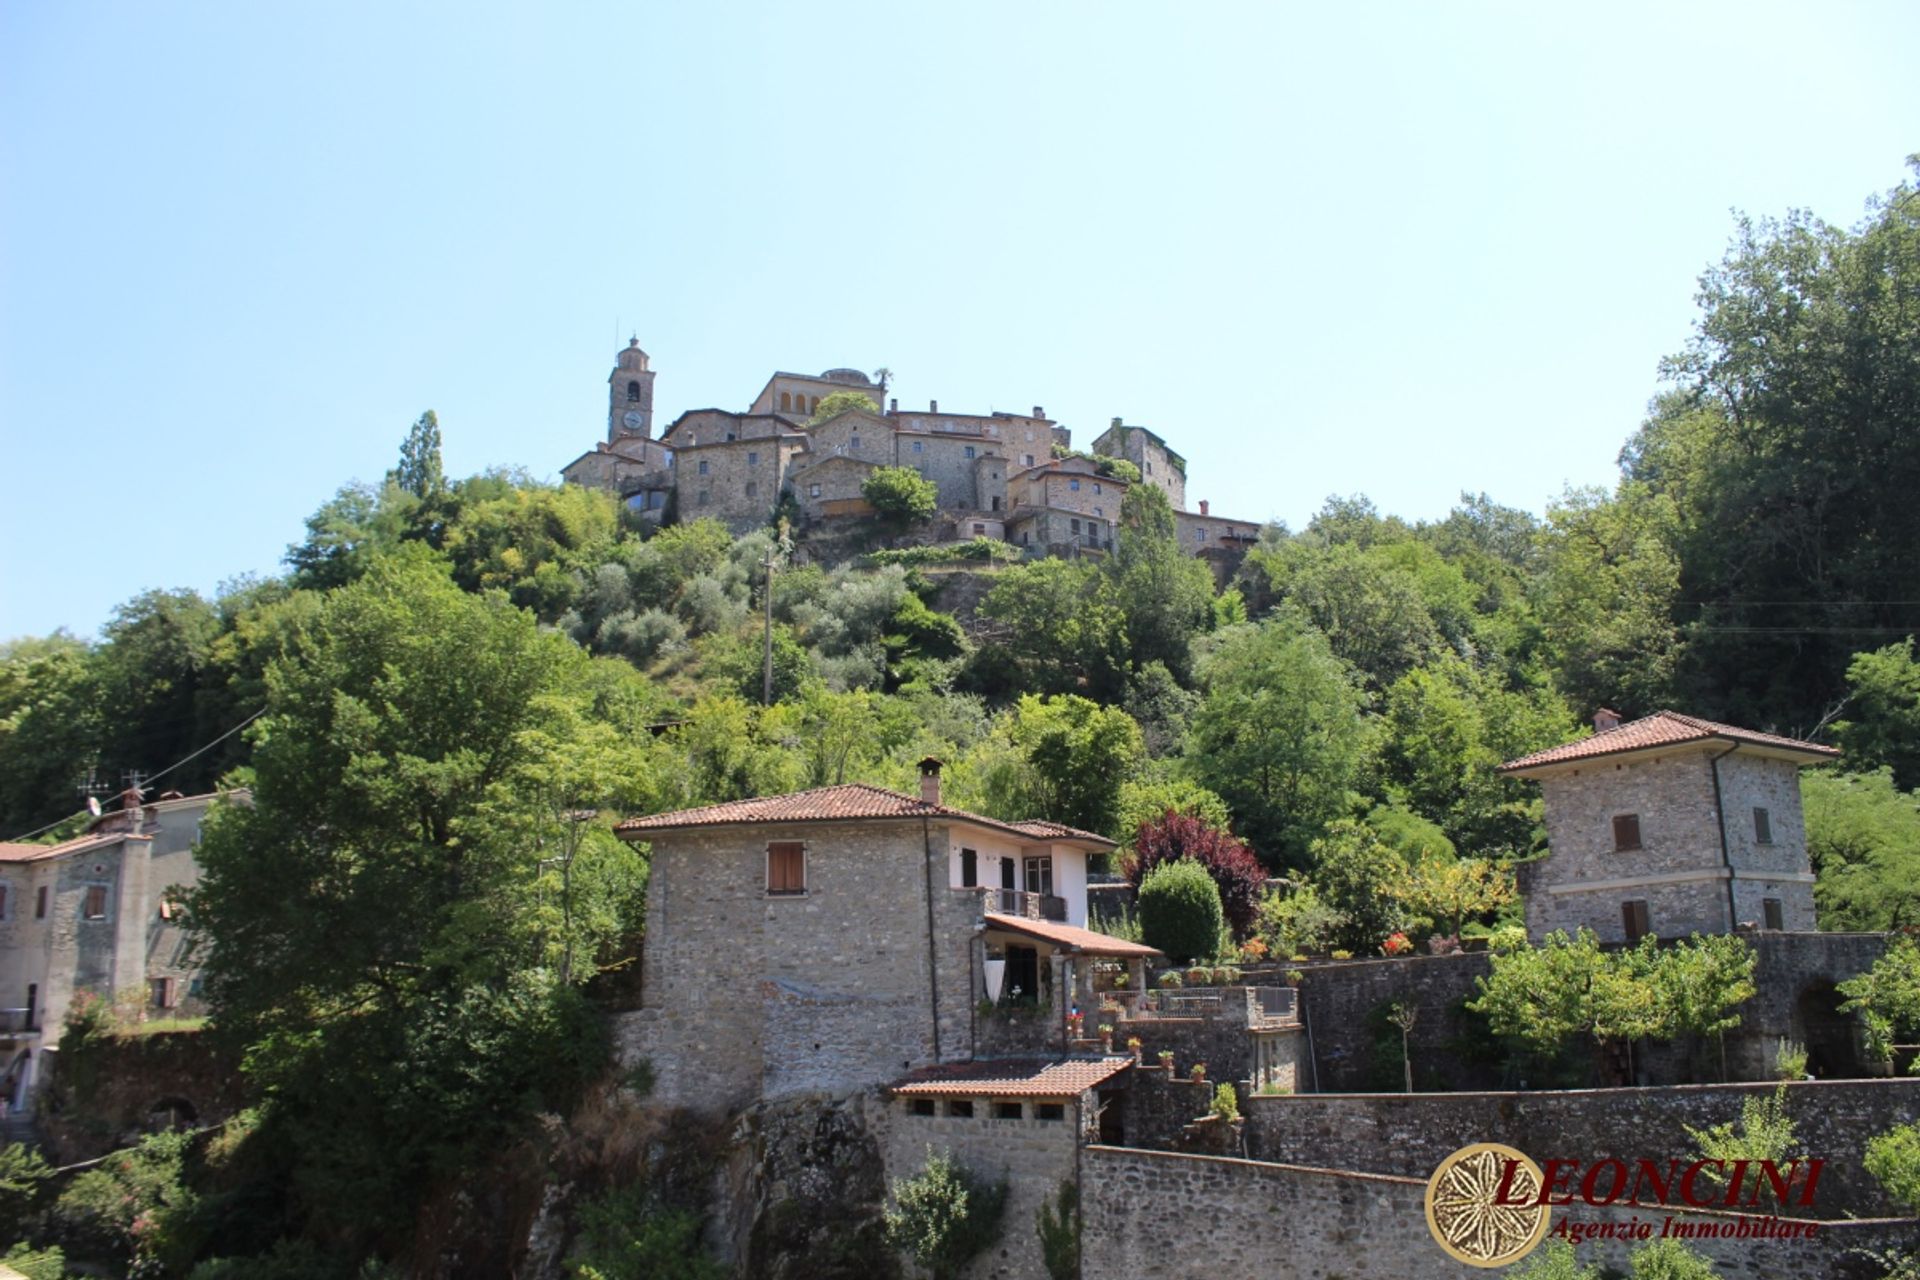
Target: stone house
x,y
634,467
838,938
1065,508
1159,465
1670,825
96,914
797,396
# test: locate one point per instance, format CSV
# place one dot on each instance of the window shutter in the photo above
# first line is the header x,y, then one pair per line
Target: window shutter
x,y
1775,914
786,867
1626,831
1762,826
1633,915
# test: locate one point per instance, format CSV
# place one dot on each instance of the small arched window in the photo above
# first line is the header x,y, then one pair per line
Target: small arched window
x,y
633,391
786,401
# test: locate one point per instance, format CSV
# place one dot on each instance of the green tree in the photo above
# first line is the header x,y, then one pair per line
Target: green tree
x,y
835,403
1893,1158
1280,735
1165,594
1180,911
419,472
1669,1260
1863,837
23,1184
50,730
1356,876
1452,891
1883,724
404,1010
1057,1223
1069,759
943,1216
1371,613
1055,628
901,495
1887,997
1554,1260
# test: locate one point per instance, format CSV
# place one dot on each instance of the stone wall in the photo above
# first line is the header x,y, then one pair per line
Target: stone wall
x,y
747,995
1152,1215
108,1090
1033,1155
737,481
1409,1134
1338,998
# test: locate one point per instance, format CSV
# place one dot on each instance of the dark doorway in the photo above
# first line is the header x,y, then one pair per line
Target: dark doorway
x,y
1832,1038
1006,873
1113,1117
1022,982
969,868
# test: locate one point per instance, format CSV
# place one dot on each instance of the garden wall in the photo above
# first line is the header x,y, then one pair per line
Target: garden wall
x,y
1153,1215
1409,1134
1339,997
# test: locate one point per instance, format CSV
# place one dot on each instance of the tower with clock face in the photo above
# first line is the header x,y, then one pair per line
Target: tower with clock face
x,y
630,394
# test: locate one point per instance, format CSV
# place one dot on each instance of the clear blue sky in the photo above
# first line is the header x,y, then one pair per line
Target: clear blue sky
x,y
1400,249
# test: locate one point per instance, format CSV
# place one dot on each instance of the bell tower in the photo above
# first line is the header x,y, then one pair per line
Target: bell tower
x,y
630,394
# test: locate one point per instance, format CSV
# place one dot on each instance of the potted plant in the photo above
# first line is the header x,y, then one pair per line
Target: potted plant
x,y
1198,1073
1166,1059
1295,977
1171,979
1074,1023
1133,1047
1397,944
1106,1036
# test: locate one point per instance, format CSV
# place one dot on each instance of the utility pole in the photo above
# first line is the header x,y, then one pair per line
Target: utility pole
x,y
783,544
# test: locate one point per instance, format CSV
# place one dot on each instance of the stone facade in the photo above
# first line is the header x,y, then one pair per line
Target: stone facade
x,y
797,395
1678,868
736,481
95,915
1159,465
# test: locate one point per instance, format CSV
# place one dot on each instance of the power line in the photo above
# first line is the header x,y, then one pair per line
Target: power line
x,y
163,773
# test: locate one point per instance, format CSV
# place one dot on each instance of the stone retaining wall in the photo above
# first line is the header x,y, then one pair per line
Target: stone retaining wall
x,y
1153,1215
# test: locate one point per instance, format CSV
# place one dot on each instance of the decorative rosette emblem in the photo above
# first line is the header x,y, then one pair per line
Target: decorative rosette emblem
x,y
1469,1216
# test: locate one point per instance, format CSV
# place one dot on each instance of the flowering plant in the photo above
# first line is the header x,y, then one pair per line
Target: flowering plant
x,y
1396,945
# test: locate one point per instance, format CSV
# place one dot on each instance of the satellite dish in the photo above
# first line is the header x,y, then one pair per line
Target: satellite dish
x,y
93,805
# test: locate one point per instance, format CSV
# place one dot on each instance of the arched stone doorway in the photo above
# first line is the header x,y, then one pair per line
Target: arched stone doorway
x,y
1832,1038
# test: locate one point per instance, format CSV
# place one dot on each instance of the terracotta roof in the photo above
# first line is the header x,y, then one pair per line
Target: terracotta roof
x,y
1662,729
1002,1078
1068,936
849,802
40,852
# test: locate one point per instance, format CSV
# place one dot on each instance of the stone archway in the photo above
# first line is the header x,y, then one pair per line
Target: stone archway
x,y
167,1114
1832,1038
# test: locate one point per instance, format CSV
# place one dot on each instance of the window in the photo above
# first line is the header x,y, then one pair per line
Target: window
x,y
961,1108
1762,828
921,1106
1149,468
1074,485
703,466
1027,460
1096,486
1040,875
40,904
916,446
786,867
1775,913
1199,535
753,458
633,391
1074,525
813,491
968,451
753,487
1100,511
969,868
979,529
1626,832
703,498
1634,916
1050,1111
1008,1111
853,442
4,896
95,907
160,992
786,399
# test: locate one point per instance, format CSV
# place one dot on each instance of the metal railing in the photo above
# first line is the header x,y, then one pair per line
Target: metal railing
x,y
15,1022
1033,906
1277,1004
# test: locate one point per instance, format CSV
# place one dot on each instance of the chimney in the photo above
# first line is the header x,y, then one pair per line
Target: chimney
x,y
1039,411
930,781
893,405
1116,422
1203,506
1604,719
134,808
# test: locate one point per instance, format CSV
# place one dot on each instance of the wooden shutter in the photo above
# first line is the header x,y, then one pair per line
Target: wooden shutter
x,y
1626,831
1775,914
787,867
96,906
1762,827
1634,916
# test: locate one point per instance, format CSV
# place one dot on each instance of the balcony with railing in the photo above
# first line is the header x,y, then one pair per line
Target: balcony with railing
x,y
18,1022
1031,906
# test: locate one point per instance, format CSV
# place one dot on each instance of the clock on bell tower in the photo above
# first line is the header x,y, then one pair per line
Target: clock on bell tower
x,y
630,394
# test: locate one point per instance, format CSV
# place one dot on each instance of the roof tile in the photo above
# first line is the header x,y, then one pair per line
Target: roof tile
x,y
1070,937
852,801
1661,729
1010,1078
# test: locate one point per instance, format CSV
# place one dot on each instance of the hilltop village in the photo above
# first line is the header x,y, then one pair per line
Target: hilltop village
x,y
1005,476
